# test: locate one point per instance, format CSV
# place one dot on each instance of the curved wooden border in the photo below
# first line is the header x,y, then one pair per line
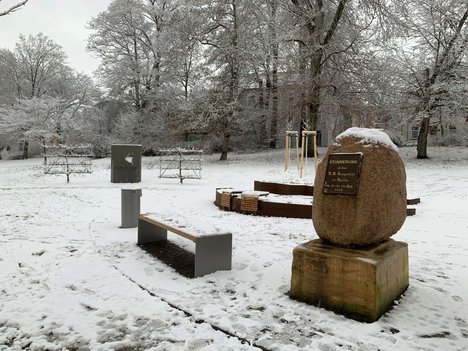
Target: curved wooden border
x,y
282,209
284,189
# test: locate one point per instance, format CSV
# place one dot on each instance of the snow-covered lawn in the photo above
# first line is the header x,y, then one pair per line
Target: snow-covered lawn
x,y
70,279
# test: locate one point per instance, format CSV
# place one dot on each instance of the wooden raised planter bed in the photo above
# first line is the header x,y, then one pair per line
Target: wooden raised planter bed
x,y
256,204
250,203
275,209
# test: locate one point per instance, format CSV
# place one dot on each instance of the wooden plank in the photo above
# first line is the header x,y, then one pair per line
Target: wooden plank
x,y
414,201
281,209
169,228
284,189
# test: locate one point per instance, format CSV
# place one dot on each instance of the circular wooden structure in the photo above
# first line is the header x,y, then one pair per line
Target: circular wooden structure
x,y
257,202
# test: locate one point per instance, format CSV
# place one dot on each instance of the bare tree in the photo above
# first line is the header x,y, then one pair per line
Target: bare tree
x,y
117,39
317,22
447,47
437,32
42,94
39,120
39,61
8,77
13,8
222,35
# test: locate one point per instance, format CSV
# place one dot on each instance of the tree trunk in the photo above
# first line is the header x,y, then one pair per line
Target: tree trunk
x,y
136,78
313,111
261,103
302,73
274,112
225,149
266,100
26,150
315,75
422,138
274,75
186,86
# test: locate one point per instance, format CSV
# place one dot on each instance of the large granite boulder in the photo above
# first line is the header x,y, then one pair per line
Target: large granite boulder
x,y
378,209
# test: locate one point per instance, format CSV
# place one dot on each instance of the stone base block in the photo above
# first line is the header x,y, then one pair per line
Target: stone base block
x,y
360,283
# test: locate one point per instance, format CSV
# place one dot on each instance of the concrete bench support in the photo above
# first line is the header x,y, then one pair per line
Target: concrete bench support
x,y
149,233
213,253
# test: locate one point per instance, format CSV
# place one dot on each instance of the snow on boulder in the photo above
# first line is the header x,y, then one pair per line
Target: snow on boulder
x,y
378,209
368,136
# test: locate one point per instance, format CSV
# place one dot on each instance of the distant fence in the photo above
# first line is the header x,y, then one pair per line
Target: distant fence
x,y
63,159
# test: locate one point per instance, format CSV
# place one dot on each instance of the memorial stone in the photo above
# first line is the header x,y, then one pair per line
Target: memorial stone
x,y
359,190
359,203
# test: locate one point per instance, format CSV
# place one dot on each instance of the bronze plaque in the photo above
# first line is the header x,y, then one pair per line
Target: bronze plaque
x,y
342,176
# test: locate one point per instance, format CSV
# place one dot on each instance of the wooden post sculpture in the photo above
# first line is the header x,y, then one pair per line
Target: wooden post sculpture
x,y
304,151
287,146
301,155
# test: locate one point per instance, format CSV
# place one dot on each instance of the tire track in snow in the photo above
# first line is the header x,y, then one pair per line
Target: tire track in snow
x,y
191,315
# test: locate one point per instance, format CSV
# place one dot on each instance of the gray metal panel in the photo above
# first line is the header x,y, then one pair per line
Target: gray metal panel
x,y
213,253
130,207
148,232
123,171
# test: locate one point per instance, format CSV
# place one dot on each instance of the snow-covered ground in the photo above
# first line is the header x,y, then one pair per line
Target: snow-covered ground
x,y
70,279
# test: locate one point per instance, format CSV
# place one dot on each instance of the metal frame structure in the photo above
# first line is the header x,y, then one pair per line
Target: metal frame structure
x,y
180,163
63,159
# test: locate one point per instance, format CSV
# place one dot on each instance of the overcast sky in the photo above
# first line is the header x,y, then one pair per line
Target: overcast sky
x,y
63,21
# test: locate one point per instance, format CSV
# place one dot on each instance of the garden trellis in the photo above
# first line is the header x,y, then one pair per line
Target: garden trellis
x,y
63,159
180,163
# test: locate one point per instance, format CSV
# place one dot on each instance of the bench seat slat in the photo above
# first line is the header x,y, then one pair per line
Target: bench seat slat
x,y
190,228
169,228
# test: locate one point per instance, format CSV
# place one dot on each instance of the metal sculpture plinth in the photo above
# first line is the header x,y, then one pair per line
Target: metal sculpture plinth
x,y
125,163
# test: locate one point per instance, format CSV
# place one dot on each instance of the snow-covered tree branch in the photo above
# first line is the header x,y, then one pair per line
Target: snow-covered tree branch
x,y
12,8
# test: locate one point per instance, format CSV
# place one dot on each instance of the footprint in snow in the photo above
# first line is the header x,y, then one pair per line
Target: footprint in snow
x,y
197,344
87,307
38,253
461,322
439,289
457,298
241,266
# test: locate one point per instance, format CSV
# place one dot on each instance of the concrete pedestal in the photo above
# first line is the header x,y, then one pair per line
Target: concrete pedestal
x,y
359,283
130,208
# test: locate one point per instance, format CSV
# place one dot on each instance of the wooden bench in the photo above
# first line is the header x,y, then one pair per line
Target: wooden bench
x,y
213,247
